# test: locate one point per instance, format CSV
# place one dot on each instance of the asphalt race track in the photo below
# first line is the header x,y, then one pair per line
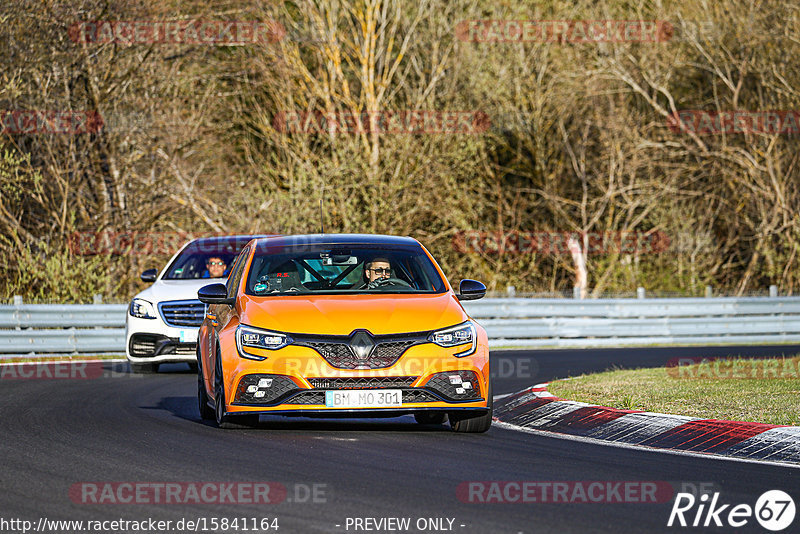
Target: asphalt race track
x,y
126,428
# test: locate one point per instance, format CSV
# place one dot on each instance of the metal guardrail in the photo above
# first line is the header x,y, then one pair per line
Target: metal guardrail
x,y
620,322
62,315
510,322
31,329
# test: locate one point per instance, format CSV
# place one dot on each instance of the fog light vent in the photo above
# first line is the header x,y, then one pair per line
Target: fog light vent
x,y
458,385
261,389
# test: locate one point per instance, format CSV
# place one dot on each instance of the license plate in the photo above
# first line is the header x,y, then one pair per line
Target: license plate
x,y
187,336
363,398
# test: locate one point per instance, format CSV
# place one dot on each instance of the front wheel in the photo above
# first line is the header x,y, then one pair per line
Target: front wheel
x,y
466,422
228,421
206,412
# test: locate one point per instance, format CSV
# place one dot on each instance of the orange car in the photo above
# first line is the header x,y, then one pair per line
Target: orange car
x,y
342,325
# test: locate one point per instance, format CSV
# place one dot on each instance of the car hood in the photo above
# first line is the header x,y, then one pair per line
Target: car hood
x,y
164,290
340,315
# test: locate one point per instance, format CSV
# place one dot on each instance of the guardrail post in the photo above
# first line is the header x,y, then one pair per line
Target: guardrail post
x,y
640,293
511,291
773,291
709,292
97,299
576,292
18,312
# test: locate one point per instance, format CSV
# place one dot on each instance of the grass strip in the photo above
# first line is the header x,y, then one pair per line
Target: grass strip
x,y
764,390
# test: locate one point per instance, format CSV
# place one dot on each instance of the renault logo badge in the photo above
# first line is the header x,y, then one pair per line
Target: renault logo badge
x,y
362,344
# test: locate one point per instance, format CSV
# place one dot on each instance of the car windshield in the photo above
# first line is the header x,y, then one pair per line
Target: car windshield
x,y
345,269
206,258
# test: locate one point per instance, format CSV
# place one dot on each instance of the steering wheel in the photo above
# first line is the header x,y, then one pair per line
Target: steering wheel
x,y
387,282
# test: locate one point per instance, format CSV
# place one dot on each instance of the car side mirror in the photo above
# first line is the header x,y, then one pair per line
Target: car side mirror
x,y
471,290
149,275
214,294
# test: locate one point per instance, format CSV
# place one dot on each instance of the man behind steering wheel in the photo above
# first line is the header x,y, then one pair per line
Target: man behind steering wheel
x,y
376,270
378,273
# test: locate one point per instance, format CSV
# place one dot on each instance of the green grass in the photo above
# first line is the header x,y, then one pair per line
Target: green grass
x,y
761,390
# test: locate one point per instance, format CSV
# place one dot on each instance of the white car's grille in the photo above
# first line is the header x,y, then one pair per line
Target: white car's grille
x,y
182,312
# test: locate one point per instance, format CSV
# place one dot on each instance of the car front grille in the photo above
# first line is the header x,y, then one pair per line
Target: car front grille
x,y
340,351
388,382
181,349
182,312
418,395
391,350
308,397
271,390
150,345
318,397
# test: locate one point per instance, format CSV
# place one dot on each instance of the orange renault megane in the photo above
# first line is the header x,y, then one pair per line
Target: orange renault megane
x,y
342,325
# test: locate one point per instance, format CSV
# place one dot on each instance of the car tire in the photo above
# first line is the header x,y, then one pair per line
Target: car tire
x,y
228,421
144,368
207,413
469,422
430,418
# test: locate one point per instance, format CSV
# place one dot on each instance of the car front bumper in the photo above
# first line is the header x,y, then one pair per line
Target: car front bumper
x,y
429,377
153,341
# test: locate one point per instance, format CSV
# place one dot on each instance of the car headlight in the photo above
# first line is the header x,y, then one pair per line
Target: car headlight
x,y
248,337
455,336
142,309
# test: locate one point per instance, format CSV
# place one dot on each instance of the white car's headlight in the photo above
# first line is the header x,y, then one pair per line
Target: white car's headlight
x,y
455,336
142,309
257,338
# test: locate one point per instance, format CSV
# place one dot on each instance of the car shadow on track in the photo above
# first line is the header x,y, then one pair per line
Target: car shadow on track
x,y
186,408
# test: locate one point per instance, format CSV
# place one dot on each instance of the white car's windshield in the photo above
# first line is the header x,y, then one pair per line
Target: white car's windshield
x,y
206,258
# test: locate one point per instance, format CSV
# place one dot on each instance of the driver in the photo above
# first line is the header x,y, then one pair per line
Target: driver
x,y
377,269
215,268
378,273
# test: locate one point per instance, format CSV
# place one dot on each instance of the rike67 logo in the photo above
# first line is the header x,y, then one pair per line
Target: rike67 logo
x,y
774,510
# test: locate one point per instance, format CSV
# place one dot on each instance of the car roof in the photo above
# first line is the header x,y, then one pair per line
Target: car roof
x,y
337,239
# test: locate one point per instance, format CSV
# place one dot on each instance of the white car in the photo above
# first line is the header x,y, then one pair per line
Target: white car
x,y
162,321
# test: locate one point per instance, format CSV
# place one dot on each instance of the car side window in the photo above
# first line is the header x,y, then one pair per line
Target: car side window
x,y
236,272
